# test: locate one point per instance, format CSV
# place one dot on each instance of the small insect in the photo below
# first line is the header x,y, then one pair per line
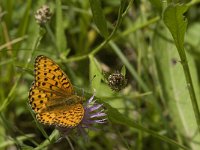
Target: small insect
x,y
52,96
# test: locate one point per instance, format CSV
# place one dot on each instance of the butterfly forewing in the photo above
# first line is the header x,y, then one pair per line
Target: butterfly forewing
x,y
52,96
49,76
39,99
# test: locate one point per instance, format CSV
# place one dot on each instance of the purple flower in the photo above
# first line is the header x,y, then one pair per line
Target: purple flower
x,y
94,114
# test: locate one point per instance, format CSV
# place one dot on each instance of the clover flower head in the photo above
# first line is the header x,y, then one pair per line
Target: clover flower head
x,y
117,81
43,15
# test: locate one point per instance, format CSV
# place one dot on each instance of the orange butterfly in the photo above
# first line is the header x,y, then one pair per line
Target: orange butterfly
x,y
52,96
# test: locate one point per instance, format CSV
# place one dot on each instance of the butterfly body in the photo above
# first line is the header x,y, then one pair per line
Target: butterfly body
x,y
66,102
52,96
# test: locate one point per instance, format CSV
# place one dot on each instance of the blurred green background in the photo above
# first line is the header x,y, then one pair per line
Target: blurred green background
x,y
151,40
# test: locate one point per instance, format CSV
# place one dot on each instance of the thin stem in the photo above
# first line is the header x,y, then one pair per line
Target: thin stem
x,y
190,85
9,98
193,2
53,137
119,20
125,33
70,143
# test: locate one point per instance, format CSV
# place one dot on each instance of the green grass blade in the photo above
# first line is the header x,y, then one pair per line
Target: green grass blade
x,y
99,18
95,73
173,86
173,18
61,40
24,23
115,116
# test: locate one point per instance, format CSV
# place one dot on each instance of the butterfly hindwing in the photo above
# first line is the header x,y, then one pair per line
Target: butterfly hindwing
x,y
68,117
39,99
52,96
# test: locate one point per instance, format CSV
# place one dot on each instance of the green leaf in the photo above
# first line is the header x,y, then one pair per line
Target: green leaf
x,y
157,4
99,17
176,22
95,73
61,41
115,116
192,36
123,70
193,40
173,18
173,87
23,23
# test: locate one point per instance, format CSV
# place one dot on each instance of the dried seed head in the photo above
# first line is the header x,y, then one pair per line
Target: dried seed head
x,y
117,81
43,15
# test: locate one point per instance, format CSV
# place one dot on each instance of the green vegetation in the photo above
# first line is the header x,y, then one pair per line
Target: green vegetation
x,y
155,44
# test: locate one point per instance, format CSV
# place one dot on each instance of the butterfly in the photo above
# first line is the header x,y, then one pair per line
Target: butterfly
x,y
52,95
